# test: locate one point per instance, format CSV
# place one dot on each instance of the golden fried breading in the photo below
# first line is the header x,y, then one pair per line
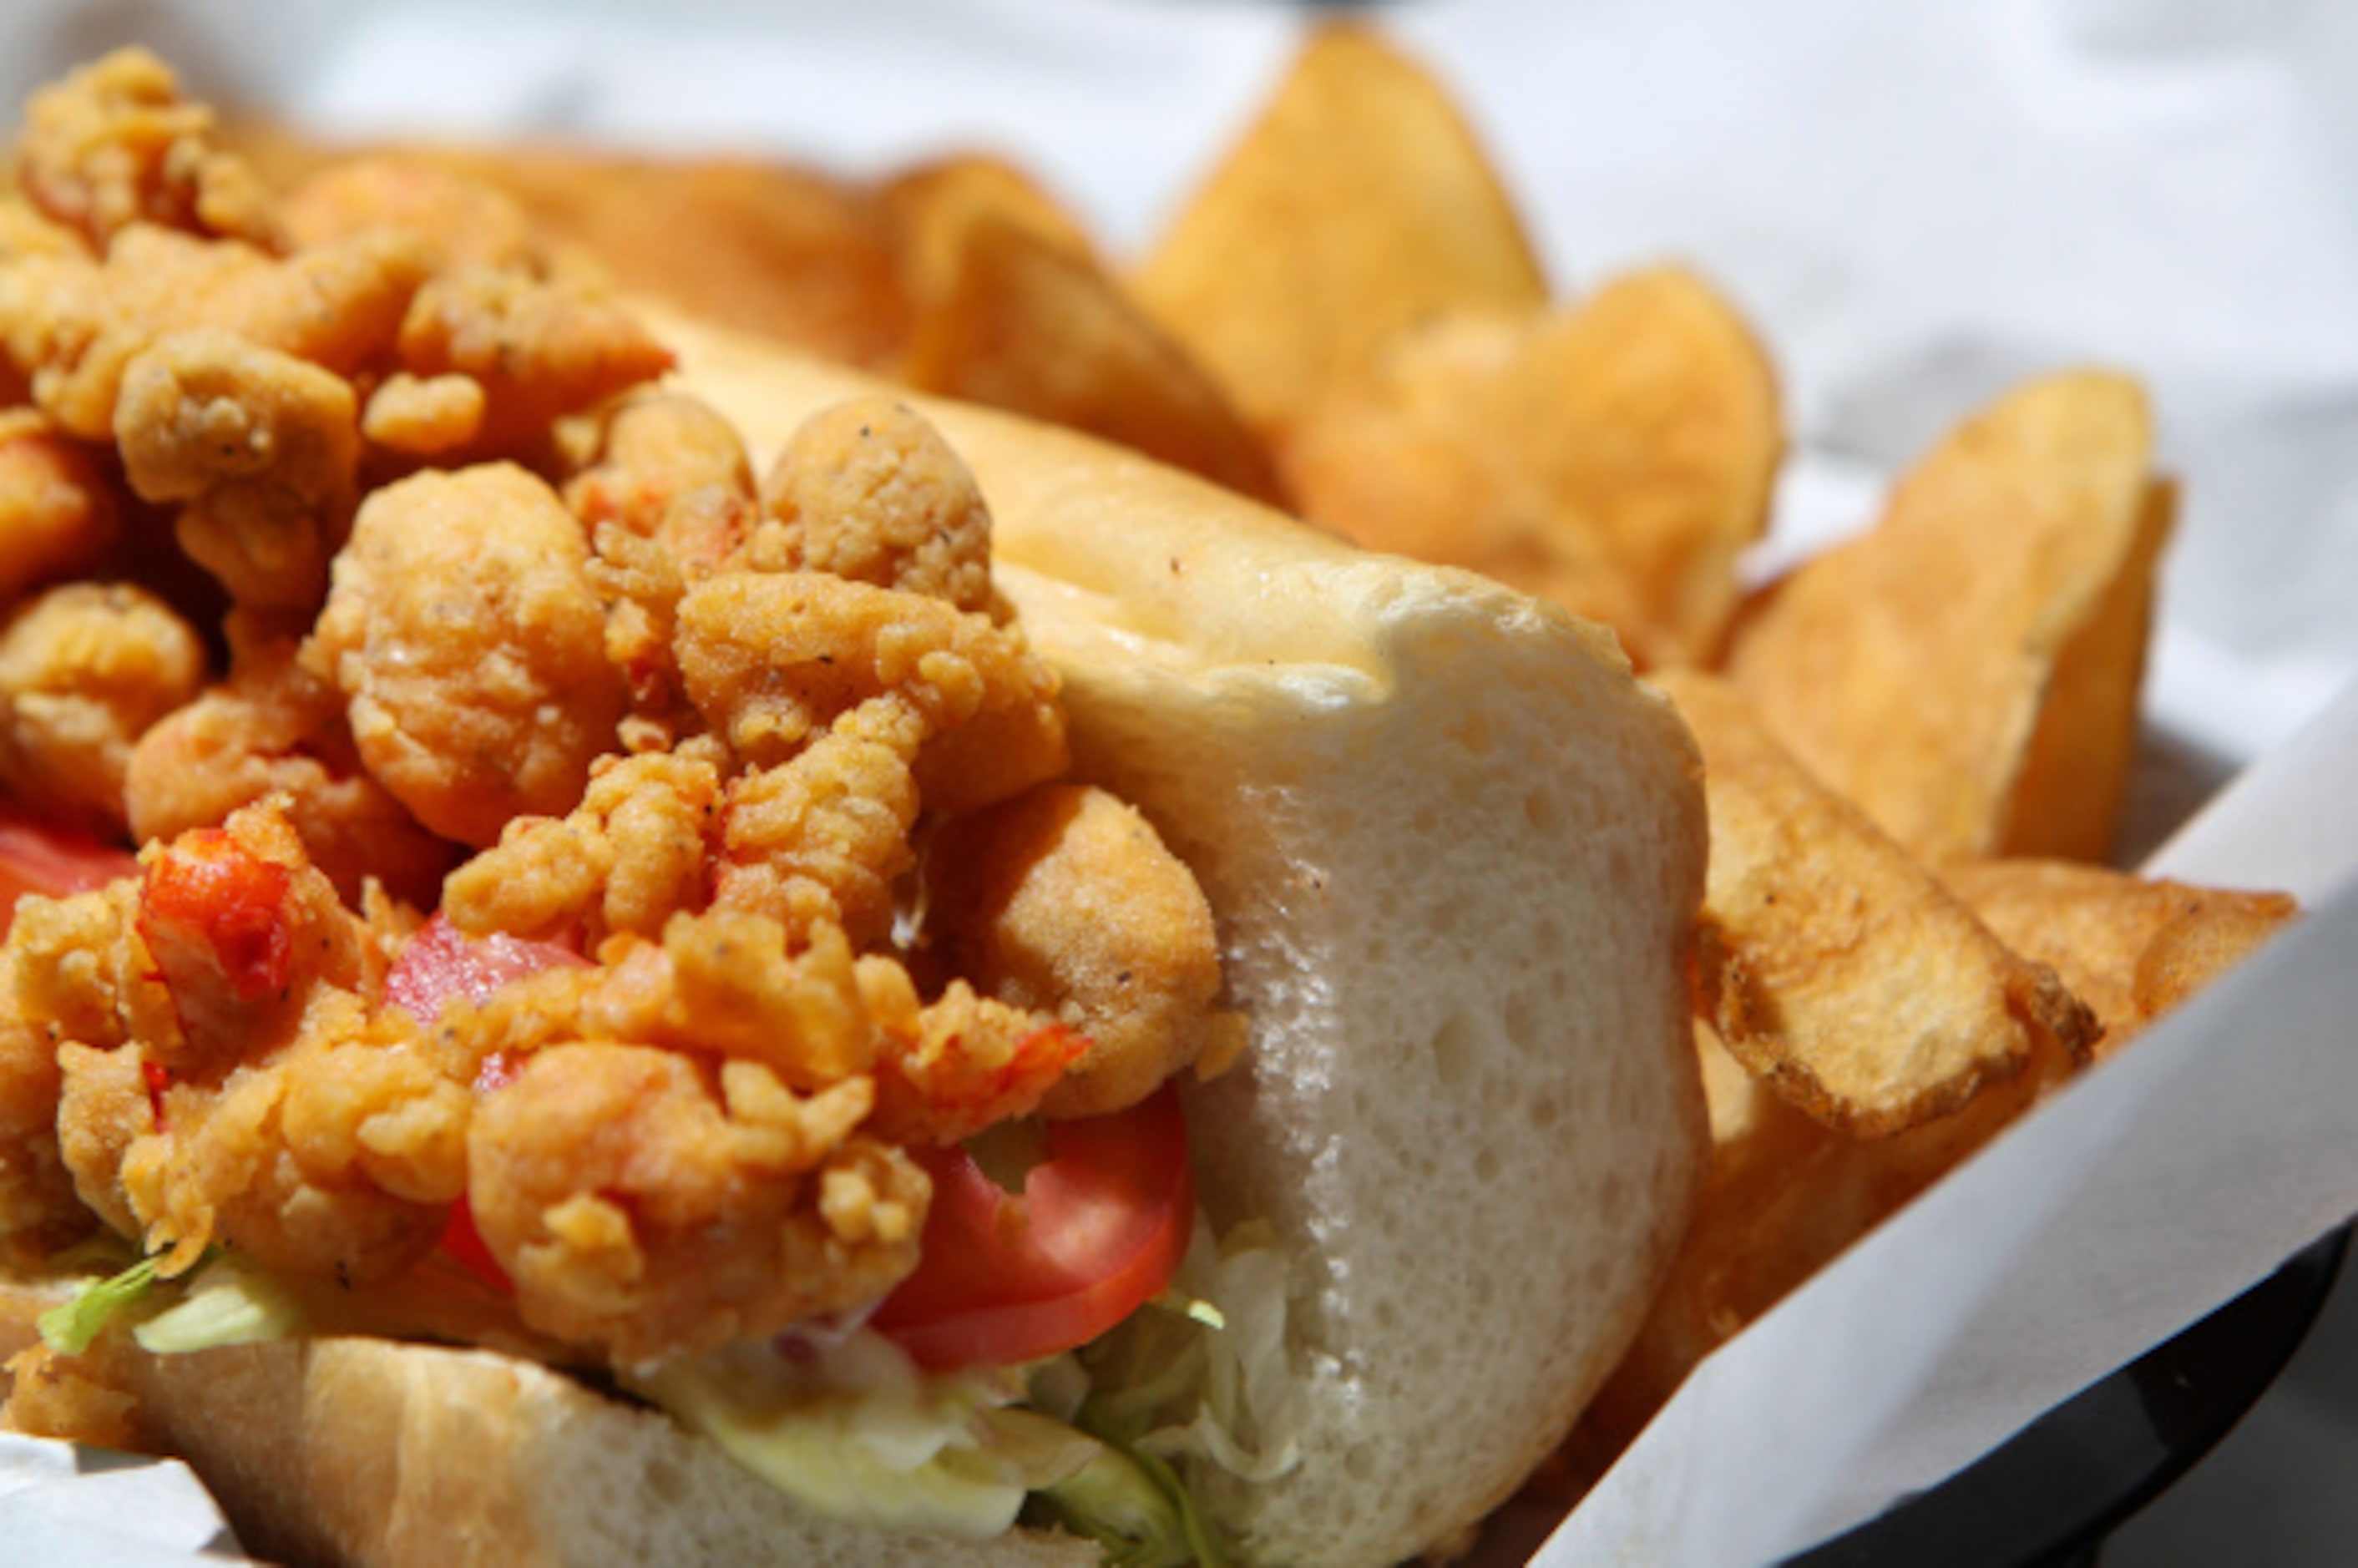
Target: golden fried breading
x,y
261,448
338,1154
85,669
644,1202
464,631
240,927
823,837
641,583
113,145
771,659
24,231
960,1063
424,416
728,982
463,221
60,512
669,468
77,967
628,856
73,326
869,491
1065,902
275,727
39,1207
70,1397
221,1074
721,983
540,349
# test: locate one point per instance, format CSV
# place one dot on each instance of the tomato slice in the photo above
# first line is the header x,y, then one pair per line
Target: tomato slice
x,y
439,962
37,857
1099,1229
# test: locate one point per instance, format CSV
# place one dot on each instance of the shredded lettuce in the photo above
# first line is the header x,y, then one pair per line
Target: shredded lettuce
x,y
71,1327
858,1433
1135,1506
235,1303
1202,1378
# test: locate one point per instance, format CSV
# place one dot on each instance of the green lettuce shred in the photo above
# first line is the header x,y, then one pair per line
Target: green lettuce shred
x,y
1133,1506
235,1305
74,1325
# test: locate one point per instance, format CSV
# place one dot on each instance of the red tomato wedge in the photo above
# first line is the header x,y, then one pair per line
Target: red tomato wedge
x,y
438,963
1099,1229
53,862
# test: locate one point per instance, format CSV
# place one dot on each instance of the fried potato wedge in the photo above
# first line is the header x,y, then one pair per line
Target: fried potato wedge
x,y
2131,947
1615,456
1967,671
1013,313
1358,205
1785,1197
929,208
1836,966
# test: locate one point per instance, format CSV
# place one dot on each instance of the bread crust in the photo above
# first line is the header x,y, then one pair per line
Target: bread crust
x,y
377,1455
1454,850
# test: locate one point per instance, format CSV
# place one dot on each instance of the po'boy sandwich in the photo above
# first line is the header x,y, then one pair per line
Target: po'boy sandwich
x,y
725,966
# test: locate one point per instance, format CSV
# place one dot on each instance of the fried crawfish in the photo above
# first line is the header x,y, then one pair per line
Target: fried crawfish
x,y
73,325
668,468
540,348
869,491
772,659
647,1202
276,728
629,855
223,1073
948,1068
59,510
260,449
115,144
464,631
823,837
1064,901
85,669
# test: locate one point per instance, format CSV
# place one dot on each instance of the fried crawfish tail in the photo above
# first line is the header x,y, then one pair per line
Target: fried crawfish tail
x,y
645,1202
86,669
633,852
223,1072
465,631
821,840
1064,901
771,659
115,144
868,491
276,729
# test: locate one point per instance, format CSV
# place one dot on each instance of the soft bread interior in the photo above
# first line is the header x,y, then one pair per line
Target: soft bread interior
x,y
1454,852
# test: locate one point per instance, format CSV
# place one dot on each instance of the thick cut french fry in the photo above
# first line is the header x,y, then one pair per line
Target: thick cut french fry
x,y
1615,456
1833,964
2130,947
1011,314
1357,206
1967,671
